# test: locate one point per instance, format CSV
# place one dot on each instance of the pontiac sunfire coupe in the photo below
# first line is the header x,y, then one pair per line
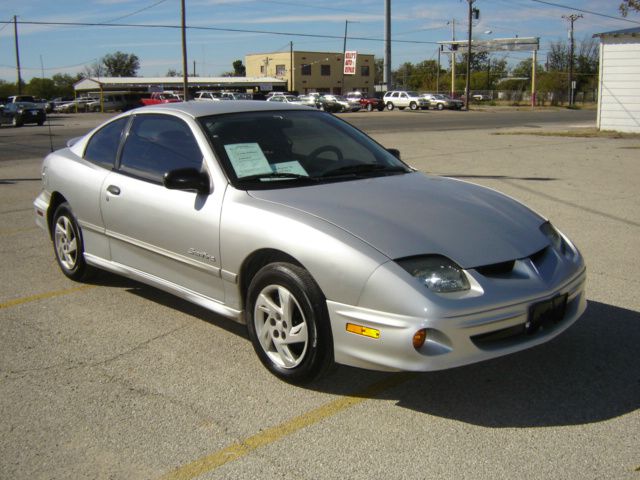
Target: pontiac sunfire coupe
x,y
324,243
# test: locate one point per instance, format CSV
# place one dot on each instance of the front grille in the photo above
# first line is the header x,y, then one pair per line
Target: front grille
x,y
502,268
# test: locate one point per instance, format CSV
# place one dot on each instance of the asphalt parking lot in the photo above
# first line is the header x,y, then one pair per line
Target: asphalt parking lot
x,y
117,380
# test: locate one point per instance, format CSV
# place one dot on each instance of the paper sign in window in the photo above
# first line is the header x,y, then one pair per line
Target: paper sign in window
x,y
248,159
292,167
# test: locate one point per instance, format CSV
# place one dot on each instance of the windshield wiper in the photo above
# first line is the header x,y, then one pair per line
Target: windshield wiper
x,y
362,168
275,176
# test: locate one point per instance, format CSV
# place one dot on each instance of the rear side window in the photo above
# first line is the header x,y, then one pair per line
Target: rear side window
x,y
103,146
157,144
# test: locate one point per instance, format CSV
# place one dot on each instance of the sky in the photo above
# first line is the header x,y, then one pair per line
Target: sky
x,y
230,29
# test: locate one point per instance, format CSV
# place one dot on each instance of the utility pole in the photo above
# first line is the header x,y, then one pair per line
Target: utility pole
x,y
468,80
438,71
571,18
185,75
386,75
291,89
453,58
15,33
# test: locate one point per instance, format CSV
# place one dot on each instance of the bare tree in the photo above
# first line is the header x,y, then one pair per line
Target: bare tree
x,y
627,5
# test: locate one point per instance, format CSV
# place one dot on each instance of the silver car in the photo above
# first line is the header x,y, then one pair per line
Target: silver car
x,y
324,243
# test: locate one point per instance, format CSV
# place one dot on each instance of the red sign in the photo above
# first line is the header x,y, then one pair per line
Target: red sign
x,y
350,58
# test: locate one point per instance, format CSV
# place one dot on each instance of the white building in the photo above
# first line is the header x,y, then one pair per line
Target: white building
x,y
619,85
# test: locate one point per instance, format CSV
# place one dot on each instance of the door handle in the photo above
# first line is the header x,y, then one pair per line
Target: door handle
x,y
113,190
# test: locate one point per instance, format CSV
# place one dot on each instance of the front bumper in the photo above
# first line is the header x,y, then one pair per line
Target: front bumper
x,y
453,340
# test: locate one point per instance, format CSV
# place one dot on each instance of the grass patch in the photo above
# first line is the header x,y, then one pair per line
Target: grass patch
x,y
577,133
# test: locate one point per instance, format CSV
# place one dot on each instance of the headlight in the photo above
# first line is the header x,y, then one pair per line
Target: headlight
x,y
557,242
438,273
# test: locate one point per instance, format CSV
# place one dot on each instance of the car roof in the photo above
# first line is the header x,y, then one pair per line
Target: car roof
x,y
204,109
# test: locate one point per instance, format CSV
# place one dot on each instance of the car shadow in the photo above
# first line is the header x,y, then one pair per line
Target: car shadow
x,y
107,279
590,373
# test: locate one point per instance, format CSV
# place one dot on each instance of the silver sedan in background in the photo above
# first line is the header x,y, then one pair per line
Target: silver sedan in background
x,y
324,243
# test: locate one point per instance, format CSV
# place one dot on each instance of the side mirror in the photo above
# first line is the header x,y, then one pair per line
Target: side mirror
x,y
188,179
395,152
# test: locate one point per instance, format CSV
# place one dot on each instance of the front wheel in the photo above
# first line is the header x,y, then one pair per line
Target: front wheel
x,y
440,106
369,107
389,106
413,106
288,323
68,245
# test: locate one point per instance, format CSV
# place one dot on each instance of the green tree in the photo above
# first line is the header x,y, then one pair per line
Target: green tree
x,y
121,64
41,87
239,70
7,88
64,83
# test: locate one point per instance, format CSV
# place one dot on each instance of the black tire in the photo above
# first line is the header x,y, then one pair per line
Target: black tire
x,y
305,315
68,245
16,122
440,106
369,107
389,106
413,106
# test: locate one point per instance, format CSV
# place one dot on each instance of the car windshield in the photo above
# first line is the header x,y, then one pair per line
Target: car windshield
x,y
292,148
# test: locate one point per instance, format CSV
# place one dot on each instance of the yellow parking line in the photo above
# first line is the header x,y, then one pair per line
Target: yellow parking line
x,y
40,296
244,447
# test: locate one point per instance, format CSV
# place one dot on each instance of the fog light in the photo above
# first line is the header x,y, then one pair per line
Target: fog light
x,y
419,338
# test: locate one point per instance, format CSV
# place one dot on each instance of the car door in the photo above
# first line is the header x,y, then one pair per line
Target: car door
x,y
166,235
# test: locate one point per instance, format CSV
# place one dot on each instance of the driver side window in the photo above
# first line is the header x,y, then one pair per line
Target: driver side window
x,y
157,144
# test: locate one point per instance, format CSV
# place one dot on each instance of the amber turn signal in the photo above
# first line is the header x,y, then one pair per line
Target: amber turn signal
x,y
419,338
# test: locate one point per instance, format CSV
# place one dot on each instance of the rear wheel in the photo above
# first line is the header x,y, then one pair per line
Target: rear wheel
x,y
413,106
369,107
288,323
68,245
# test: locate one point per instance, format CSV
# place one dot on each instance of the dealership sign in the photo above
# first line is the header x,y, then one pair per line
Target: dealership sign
x,y
350,57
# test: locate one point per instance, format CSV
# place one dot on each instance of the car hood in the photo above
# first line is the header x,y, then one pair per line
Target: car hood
x,y
415,214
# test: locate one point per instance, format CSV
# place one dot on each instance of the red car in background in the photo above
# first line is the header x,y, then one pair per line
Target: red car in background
x,y
366,102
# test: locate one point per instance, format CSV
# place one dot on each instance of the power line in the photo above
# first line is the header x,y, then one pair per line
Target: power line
x,y
218,29
148,7
585,11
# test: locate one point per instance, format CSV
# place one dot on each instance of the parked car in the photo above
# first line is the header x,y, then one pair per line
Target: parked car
x,y
235,96
325,244
20,113
158,98
309,100
480,97
284,99
109,103
77,105
441,101
337,103
207,96
29,99
403,99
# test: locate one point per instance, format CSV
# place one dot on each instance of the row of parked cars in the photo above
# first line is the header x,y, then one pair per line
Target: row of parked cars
x,y
21,109
351,102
